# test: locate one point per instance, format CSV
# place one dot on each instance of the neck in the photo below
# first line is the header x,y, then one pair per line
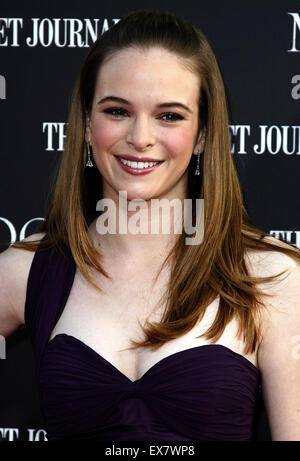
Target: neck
x,y
139,229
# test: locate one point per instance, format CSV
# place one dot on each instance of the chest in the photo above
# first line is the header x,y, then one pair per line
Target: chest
x,y
106,321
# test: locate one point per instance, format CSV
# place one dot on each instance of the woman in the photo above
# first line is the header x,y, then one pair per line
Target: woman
x,y
141,336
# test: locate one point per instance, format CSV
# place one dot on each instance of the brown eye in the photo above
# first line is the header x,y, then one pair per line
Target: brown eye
x,y
171,117
116,112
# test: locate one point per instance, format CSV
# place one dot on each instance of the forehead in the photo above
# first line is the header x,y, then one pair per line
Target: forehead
x,y
154,72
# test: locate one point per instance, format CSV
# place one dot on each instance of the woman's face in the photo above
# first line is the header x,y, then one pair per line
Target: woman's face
x,y
145,109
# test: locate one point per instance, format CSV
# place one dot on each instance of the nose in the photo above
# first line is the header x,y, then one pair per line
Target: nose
x,y
141,133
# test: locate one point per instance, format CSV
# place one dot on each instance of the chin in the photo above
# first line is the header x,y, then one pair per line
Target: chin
x,y
135,196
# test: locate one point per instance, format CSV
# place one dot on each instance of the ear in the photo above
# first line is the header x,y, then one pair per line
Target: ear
x,y
88,132
200,144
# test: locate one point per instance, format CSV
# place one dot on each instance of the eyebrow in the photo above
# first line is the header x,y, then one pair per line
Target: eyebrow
x,y
164,104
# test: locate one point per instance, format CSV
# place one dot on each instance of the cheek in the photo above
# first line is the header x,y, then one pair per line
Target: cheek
x,y
105,134
179,143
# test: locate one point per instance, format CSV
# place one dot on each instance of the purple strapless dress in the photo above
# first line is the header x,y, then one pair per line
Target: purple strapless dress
x,y
202,393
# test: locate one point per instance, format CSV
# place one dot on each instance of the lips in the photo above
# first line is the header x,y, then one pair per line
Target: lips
x,y
138,159
136,165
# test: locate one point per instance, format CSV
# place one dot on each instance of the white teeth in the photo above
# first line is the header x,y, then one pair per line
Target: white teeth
x,y
139,165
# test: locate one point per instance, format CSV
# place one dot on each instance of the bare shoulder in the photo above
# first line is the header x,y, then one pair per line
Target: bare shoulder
x,y
280,296
15,265
12,257
278,352
265,263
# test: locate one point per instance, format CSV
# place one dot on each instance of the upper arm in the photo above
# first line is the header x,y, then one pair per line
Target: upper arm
x,y
14,270
279,349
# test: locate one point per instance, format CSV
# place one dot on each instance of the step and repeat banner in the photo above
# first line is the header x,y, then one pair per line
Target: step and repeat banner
x,y
42,47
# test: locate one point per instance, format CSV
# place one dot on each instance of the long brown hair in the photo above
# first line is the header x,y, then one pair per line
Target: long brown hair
x,y
199,272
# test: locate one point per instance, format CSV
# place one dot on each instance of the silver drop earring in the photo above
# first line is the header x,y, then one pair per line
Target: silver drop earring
x,y
197,171
89,161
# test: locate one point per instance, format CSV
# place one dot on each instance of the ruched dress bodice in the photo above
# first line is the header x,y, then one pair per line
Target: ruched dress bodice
x,y
207,392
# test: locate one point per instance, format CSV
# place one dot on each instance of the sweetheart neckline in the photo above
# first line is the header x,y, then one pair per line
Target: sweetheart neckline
x,y
158,363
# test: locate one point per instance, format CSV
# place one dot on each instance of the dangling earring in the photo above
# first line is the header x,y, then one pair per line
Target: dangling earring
x,y
89,161
197,171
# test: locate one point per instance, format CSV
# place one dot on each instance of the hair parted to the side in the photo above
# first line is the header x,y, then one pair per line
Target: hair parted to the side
x,y
199,273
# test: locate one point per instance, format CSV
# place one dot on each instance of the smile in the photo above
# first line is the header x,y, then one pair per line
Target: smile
x,y
137,167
